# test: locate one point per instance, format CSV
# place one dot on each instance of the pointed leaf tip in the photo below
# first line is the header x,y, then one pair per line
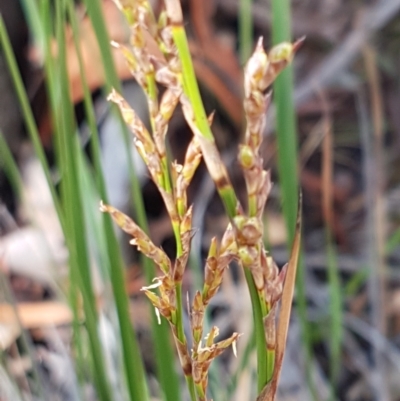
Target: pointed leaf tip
x,y
260,43
298,43
286,305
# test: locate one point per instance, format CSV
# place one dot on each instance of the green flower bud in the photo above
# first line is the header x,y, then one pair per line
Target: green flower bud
x,y
281,52
239,222
248,255
246,156
162,20
213,248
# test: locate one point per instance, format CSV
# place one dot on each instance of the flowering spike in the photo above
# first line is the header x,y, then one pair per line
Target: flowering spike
x,y
141,240
255,69
133,121
152,56
246,156
197,318
228,242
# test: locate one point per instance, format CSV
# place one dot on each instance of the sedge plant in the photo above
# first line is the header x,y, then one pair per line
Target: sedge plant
x,y
158,54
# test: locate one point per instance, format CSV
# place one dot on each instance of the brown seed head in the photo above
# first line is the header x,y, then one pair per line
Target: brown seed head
x,y
228,242
255,69
197,317
249,229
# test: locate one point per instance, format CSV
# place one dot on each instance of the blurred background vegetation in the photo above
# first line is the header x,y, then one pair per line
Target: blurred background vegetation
x,y
334,128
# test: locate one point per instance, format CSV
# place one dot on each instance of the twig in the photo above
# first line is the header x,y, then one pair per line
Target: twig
x,y
339,59
374,285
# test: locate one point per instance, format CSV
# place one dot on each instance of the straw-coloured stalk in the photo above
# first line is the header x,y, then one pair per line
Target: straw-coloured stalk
x,y
269,391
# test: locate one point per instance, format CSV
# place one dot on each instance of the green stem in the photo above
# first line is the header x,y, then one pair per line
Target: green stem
x,y
288,162
191,90
285,119
262,360
152,96
152,93
182,337
178,240
76,236
252,206
245,30
27,113
161,339
190,84
226,192
270,363
8,163
191,387
179,314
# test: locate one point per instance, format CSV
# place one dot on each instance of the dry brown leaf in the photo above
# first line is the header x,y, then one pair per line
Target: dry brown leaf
x,y
201,13
269,391
33,315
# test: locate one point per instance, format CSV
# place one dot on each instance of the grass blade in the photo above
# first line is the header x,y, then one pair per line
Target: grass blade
x,y
285,119
245,30
161,336
269,391
27,112
8,164
287,158
75,233
287,294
